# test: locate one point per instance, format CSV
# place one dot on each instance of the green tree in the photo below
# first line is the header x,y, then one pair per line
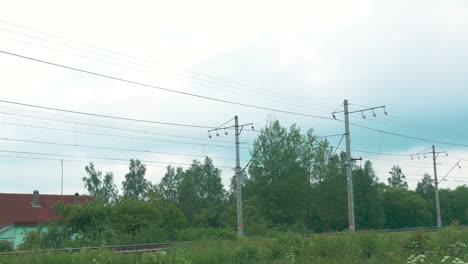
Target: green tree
x,y
200,188
233,187
187,198
169,184
125,221
446,207
459,202
322,157
405,208
280,173
135,185
368,200
397,178
425,188
328,211
98,187
207,182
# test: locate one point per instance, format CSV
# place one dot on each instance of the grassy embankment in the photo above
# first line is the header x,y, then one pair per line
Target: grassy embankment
x,y
449,244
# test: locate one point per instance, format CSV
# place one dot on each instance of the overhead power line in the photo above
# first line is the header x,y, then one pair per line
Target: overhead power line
x,y
410,137
217,80
410,127
197,96
150,86
301,104
105,116
77,120
425,126
81,161
97,157
101,147
378,153
119,136
93,125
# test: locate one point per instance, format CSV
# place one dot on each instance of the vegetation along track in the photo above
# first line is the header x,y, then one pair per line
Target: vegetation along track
x,y
400,230
159,246
120,249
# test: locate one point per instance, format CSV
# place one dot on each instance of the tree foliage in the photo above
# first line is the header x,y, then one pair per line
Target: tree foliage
x,y
135,185
100,188
280,173
170,183
397,178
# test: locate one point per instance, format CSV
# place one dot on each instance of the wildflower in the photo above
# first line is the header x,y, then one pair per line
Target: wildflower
x,y
458,261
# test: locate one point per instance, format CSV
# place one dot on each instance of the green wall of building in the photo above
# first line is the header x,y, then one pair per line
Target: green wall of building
x,y
16,234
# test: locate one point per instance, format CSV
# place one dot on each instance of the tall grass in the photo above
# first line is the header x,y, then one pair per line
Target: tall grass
x,y
450,244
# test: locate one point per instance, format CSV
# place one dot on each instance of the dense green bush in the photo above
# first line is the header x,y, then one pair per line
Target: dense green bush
x,y
6,246
290,243
246,254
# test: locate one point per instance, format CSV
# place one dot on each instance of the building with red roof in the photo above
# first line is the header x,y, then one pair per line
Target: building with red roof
x,y
22,213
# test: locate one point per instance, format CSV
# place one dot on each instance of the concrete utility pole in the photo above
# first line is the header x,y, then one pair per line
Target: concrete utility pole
x,y
349,159
436,185
240,225
349,171
61,188
435,155
238,172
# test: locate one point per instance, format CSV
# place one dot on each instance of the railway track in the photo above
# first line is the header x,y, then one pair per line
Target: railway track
x,y
400,230
118,249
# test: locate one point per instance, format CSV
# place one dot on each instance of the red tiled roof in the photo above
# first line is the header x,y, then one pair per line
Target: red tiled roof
x,y
17,208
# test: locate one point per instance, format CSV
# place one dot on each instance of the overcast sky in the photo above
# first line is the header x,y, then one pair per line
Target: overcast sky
x,y
300,56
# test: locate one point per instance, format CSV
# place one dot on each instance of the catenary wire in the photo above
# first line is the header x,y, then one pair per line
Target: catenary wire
x,y
153,87
160,64
91,157
300,104
144,161
204,97
75,120
99,133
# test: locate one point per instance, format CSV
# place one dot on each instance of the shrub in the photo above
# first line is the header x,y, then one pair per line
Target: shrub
x,y
246,254
418,242
286,245
32,240
6,246
368,244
